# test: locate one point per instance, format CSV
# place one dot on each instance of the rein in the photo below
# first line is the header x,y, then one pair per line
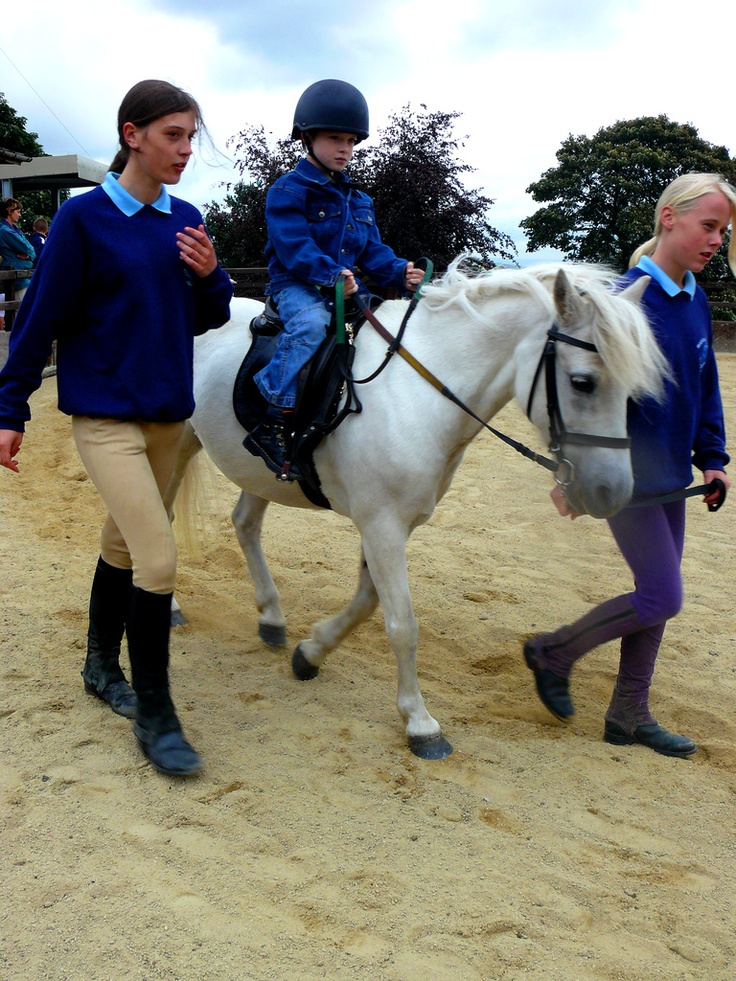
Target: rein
x,y
396,347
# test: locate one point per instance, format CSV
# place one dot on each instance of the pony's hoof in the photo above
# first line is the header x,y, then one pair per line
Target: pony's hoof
x,y
430,747
301,667
271,635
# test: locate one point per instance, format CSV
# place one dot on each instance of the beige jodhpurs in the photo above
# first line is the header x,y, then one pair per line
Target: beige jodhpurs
x,y
130,464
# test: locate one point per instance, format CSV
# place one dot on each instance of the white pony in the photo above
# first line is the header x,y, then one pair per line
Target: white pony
x,y
387,467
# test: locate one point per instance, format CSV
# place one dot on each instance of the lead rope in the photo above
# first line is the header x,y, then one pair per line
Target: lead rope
x,y
715,485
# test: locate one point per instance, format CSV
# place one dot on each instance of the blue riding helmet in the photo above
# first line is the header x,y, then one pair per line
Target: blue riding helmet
x,y
331,105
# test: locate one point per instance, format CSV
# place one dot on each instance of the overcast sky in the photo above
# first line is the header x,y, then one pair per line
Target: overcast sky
x,y
525,74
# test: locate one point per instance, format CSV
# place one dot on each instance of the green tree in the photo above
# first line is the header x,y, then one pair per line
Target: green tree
x,y
13,133
413,175
238,226
14,136
601,195
415,178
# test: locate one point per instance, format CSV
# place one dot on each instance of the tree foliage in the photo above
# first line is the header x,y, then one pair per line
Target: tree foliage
x,y
15,137
413,175
238,226
415,178
603,192
13,133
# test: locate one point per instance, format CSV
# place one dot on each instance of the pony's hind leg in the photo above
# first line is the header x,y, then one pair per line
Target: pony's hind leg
x,y
248,522
327,634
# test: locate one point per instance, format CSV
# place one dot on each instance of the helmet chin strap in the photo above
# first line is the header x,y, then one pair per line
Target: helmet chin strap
x,y
307,144
321,166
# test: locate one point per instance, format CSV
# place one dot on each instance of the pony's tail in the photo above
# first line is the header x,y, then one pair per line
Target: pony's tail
x,y
186,515
185,496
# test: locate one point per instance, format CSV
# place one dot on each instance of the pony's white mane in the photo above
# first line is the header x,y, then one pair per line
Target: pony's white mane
x,y
621,332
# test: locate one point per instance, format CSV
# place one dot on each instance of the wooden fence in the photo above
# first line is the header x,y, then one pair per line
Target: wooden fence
x,y
7,286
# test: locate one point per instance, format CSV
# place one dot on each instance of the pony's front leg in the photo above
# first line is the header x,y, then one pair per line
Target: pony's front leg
x,y
386,555
247,519
327,634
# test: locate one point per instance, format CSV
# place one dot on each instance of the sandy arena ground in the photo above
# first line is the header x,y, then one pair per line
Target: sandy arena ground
x,y
315,846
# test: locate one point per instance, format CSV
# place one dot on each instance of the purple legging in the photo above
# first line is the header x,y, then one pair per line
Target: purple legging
x,y
651,540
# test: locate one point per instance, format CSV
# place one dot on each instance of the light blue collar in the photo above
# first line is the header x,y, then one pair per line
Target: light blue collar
x,y
125,201
647,265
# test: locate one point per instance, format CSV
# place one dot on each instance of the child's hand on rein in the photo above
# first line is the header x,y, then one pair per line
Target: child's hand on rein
x,y
412,276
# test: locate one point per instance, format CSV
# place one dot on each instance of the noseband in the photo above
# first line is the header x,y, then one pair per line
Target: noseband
x,y
559,435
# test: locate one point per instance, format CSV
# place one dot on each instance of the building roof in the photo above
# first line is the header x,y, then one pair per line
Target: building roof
x,y
53,173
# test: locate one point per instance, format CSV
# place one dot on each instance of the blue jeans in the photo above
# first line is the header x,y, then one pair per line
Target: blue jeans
x,y
306,319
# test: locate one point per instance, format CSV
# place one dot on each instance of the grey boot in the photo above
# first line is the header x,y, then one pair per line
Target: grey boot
x,y
108,608
157,727
629,721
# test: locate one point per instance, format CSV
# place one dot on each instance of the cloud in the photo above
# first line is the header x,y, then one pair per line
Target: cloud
x,y
524,75
283,42
565,26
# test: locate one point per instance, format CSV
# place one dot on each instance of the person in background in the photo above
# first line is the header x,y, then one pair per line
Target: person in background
x,y
685,429
139,278
38,237
16,251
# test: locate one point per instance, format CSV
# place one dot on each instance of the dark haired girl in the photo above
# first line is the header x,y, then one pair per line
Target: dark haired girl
x,y
139,278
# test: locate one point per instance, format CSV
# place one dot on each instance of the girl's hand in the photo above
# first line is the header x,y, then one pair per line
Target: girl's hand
x,y
9,445
197,250
561,504
412,276
710,475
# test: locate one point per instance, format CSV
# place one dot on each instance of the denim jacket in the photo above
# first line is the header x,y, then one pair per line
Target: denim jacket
x,y
318,226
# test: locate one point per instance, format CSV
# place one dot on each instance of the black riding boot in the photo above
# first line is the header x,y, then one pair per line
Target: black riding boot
x,y
108,608
269,440
157,727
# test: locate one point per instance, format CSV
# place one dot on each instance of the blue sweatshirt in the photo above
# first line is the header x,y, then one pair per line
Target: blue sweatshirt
x,y
319,226
687,427
111,288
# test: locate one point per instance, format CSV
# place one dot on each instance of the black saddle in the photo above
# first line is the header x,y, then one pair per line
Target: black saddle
x,y
323,382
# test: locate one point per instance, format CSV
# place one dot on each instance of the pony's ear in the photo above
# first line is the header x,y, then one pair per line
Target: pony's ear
x,y
636,291
567,299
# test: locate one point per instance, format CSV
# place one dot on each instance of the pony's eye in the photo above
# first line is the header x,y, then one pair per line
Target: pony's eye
x,y
584,384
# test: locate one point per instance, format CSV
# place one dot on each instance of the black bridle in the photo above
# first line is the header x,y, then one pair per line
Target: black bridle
x,y
559,435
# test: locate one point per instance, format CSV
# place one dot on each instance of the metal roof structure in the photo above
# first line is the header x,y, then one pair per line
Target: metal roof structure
x,y
52,174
